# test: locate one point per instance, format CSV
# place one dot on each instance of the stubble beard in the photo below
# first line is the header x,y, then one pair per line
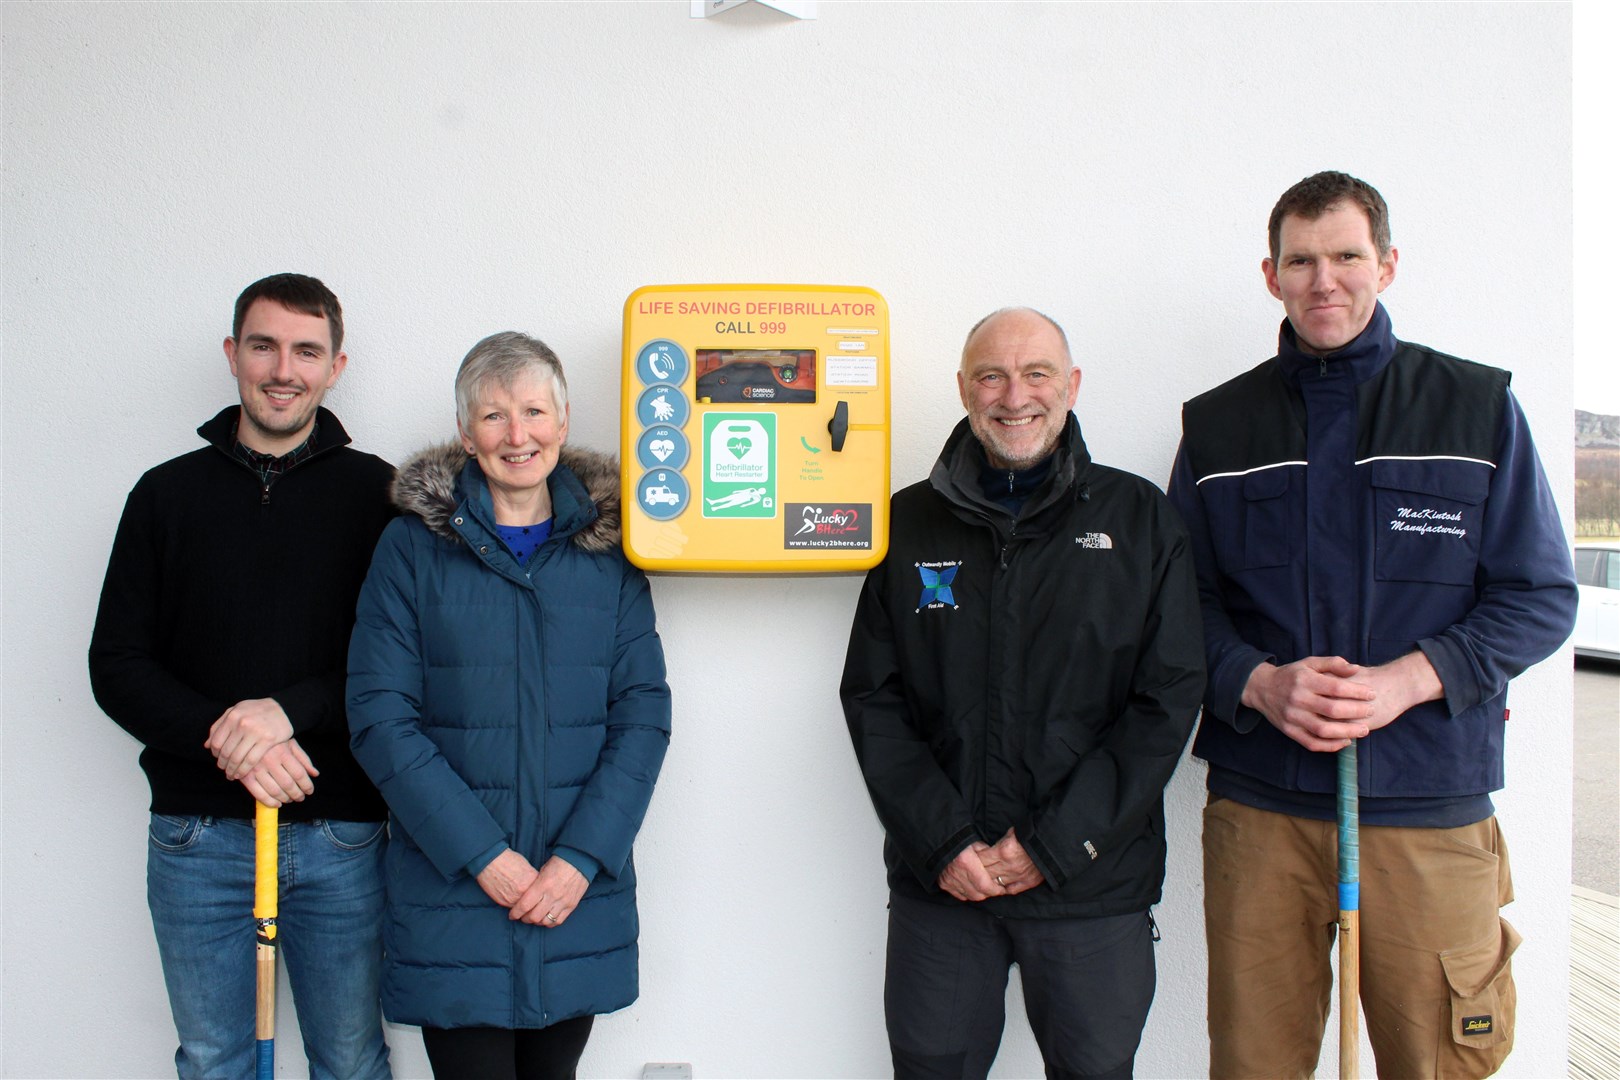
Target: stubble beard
x,y
1000,455
256,413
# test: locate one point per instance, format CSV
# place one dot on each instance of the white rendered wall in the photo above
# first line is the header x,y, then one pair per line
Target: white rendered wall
x,y
456,170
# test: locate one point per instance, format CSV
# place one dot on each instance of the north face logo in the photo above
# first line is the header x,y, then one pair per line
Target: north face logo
x,y
1095,540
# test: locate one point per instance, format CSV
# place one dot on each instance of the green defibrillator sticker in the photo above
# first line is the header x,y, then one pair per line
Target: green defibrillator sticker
x,y
739,465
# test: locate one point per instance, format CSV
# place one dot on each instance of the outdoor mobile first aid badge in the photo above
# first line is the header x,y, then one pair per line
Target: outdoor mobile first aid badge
x,y
755,428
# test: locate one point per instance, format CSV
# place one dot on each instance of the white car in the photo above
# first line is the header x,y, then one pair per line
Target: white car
x,y
656,495
1597,624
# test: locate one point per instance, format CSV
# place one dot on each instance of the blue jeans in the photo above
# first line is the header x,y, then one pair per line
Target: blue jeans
x,y
199,885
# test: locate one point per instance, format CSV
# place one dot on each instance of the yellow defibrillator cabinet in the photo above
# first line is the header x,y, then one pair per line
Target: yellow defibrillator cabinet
x,y
755,428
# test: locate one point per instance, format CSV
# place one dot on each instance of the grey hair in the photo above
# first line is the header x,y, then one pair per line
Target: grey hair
x,y
503,359
1053,323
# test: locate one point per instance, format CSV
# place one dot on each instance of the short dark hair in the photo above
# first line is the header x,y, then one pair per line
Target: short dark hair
x,y
295,292
1316,195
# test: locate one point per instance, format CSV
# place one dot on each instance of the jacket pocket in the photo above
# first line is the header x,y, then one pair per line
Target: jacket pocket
x,y
1265,519
1483,997
1429,515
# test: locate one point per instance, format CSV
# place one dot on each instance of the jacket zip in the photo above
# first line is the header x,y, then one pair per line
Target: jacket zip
x,y
264,486
541,940
518,992
992,688
483,553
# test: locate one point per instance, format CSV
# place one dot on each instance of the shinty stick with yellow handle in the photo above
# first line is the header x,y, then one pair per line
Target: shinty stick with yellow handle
x,y
266,894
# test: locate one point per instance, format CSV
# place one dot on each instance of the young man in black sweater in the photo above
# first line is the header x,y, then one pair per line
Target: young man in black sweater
x,y
221,644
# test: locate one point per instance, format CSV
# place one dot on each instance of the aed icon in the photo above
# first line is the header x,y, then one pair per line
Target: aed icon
x,y
741,404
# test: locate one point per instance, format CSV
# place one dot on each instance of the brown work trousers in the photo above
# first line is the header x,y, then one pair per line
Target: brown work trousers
x,y
1436,980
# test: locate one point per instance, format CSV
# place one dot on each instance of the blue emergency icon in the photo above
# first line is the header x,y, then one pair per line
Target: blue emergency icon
x,y
663,494
661,361
662,403
662,447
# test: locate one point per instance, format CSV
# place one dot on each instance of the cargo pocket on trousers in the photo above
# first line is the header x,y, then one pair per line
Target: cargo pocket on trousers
x,y
1482,994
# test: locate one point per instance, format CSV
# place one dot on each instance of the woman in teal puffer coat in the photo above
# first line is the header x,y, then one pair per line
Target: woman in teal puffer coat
x,y
507,696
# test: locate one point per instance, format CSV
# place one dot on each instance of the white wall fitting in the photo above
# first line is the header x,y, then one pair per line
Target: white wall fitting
x,y
452,170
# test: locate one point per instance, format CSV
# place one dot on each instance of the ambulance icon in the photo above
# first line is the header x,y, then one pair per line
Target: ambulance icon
x,y
662,494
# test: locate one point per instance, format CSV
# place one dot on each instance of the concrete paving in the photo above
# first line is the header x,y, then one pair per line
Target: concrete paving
x,y
1596,853
1594,971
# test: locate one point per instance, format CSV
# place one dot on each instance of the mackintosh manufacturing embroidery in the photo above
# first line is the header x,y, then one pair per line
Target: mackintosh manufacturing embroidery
x,y
1418,519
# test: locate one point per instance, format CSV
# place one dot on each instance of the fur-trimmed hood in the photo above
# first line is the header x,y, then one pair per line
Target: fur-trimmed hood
x,y
426,486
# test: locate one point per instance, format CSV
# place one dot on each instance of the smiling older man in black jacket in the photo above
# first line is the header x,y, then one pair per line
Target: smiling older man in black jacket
x,y
1023,673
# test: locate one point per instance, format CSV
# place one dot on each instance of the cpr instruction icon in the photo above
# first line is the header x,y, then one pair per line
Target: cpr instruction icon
x,y
663,494
662,403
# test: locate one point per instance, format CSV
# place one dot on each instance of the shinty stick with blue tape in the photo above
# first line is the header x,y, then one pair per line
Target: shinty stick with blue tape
x,y
1349,814
266,897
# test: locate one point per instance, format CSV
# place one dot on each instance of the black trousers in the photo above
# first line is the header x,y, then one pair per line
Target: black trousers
x,y
1088,984
486,1053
